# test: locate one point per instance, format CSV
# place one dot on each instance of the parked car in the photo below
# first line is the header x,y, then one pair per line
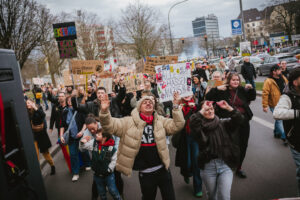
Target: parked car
x,y
296,51
253,59
292,62
262,56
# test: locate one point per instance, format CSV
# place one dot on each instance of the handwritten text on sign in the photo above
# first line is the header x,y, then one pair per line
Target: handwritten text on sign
x,y
171,78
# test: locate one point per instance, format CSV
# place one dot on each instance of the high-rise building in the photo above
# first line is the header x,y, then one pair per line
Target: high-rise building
x,y
206,26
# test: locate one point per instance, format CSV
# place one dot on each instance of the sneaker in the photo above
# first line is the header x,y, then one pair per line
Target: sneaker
x,y
199,194
285,142
75,177
241,174
88,169
277,136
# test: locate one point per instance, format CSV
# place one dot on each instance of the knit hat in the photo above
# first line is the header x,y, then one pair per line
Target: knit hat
x,y
139,103
294,74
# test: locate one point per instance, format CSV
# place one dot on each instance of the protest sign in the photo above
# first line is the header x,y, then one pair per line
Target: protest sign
x,y
148,65
171,78
67,49
37,81
106,83
133,82
78,79
87,66
214,83
245,48
64,31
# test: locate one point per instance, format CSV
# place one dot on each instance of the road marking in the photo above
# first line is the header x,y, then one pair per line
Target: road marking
x,y
263,122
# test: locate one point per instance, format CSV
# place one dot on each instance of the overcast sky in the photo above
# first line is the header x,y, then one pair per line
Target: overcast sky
x,y
181,16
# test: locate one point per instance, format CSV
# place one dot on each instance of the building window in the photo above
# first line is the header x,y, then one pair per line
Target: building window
x,y
253,24
248,25
248,31
254,34
261,23
254,30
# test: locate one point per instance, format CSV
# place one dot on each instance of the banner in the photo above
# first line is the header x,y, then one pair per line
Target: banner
x,y
64,31
87,66
106,83
171,78
151,62
67,49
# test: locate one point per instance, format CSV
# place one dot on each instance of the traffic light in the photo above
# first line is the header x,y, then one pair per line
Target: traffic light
x,y
205,38
182,40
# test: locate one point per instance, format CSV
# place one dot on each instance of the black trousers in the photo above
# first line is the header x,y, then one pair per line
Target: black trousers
x,y
244,133
119,184
161,179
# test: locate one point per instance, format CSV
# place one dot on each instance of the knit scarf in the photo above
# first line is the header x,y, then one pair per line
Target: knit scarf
x,y
147,119
109,142
186,109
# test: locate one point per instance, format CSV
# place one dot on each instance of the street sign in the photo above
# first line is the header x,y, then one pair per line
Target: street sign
x,y
236,27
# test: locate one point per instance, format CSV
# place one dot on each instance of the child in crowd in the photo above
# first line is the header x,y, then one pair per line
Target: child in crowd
x,y
104,156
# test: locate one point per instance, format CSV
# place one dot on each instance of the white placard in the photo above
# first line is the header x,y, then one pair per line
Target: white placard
x,y
171,78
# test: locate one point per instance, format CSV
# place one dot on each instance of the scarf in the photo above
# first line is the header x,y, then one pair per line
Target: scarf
x,y
186,109
217,137
147,119
107,143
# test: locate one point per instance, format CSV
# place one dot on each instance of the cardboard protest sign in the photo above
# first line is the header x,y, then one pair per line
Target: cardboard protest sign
x,y
171,78
148,65
214,83
78,79
106,83
134,82
67,49
65,31
87,66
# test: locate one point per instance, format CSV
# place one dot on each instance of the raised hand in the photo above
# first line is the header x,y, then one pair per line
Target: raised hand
x,y
105,103
224,105
248,86
176,98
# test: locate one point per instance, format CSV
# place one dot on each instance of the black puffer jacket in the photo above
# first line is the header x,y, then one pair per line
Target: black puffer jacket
x,y
245,95
217,138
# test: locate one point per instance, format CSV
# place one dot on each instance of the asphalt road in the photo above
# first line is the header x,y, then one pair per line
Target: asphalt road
x,y
268,164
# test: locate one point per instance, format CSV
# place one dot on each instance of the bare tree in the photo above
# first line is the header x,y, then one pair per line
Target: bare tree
x,y
22,26
285,12
94,40
139,26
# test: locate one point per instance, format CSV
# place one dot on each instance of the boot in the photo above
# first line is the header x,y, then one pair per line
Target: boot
x,y
52,170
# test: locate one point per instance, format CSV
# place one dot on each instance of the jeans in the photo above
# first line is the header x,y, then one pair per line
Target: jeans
x,y
86,159
151,181
217,177
74,157
296,157
193,152
278,127
109,182
252,82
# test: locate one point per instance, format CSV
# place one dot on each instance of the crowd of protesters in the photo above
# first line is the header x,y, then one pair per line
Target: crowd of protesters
x,y
123,131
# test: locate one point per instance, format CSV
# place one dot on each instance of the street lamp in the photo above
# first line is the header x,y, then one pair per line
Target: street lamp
x,y
171,41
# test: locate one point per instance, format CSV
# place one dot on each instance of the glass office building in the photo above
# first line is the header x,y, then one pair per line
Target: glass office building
x,y
206,26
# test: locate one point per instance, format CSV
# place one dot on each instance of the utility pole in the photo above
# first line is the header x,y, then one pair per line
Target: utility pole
x,y
171,41
242,15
